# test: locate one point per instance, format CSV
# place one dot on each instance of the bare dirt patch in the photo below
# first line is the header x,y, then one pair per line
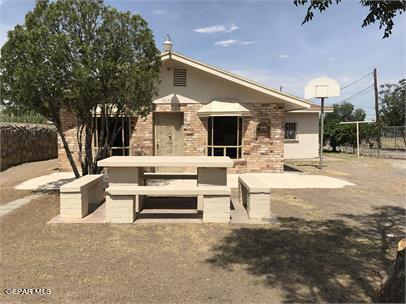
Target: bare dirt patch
x,y
16,175
332,245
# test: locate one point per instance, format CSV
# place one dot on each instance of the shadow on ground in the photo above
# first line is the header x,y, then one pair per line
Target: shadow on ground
x,y
318,261
287,168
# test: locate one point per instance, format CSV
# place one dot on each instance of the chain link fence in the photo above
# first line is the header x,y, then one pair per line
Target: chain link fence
x,y
393,144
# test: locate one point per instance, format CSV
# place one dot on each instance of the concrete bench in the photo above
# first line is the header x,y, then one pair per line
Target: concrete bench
x,y
169,175
255,195
123,202
76,196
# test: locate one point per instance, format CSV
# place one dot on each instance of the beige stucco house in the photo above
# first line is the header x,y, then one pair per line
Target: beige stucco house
x,y
203,110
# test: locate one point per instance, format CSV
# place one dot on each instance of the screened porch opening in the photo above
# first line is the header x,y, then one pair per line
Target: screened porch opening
x,y
225,136
121,144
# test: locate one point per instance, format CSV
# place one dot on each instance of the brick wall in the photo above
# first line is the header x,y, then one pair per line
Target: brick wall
x,y
263,140
195,130
262,148
68,122
263,137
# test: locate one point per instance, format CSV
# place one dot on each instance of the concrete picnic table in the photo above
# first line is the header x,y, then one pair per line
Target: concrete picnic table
x,y
129,170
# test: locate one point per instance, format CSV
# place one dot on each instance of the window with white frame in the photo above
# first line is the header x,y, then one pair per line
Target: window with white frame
x,y
290,130
225,136
121,144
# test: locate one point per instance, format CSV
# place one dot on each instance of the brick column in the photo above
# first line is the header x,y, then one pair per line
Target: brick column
x,y
68,122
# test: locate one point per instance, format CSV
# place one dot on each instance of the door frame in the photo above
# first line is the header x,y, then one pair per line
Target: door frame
x,y
154,128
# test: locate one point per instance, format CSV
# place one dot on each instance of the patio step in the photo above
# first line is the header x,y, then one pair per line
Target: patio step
x,y
168,215
168,211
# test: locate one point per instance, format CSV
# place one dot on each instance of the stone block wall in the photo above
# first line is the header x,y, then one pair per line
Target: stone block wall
x,y
24,143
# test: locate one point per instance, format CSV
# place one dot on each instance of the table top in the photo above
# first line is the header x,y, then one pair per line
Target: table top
x,y
167,161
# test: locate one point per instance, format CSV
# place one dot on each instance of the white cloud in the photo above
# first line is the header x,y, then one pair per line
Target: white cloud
x,y
159,12
283,56
226,43
211,29
216,29
232,28
229,42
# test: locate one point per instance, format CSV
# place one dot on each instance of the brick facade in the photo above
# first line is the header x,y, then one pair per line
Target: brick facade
x,y
68,122
263,136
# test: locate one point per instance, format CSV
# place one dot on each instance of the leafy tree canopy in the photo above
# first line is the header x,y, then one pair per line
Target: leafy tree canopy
x,y
80,55
379,11
338,134
393,103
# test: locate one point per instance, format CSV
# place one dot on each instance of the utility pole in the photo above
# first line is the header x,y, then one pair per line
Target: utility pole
x,y
321,132
377,118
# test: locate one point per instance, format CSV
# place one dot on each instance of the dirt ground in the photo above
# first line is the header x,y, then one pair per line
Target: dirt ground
x,y
331,246
16,175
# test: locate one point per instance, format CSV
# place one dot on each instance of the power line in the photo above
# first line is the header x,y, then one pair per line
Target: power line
x,y
359,93
356,81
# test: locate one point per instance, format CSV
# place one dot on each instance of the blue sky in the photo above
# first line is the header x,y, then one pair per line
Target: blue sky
x,y
265,41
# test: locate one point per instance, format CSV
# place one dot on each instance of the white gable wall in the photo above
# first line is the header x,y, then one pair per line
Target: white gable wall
x,y
203,88
307,126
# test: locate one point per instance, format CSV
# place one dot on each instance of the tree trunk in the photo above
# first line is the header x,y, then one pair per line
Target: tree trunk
x,y
392,288
58,126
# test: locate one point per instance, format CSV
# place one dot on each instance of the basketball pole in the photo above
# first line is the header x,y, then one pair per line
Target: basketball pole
x,y
321,132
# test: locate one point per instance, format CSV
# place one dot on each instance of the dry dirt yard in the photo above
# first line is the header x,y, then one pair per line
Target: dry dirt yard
x,y
16,175
331,246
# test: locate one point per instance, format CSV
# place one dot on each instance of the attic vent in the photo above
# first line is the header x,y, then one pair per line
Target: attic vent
x,y
179,77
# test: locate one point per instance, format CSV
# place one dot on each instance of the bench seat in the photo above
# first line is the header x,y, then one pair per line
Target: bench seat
x,y
169,175
76,196
187,191
123,202
255,195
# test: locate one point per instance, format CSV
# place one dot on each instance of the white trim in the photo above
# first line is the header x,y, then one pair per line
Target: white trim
x,y
222,108
310,111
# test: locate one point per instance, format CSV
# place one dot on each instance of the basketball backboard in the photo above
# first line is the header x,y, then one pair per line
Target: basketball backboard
x,y
322,87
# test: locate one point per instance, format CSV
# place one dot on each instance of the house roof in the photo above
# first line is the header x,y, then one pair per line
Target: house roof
x,y
298,102
314,108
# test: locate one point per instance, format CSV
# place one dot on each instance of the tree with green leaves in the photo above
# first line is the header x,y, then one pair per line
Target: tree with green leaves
x,y
379,11
87,58
342,134
393,105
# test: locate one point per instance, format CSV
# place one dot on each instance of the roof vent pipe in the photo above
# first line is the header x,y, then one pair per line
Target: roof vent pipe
x,y
168,44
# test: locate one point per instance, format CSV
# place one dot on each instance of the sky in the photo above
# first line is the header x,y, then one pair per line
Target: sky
x,y
266,42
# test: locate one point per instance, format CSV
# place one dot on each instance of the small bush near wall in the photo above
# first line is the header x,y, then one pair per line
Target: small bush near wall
x,y
23,143
7,115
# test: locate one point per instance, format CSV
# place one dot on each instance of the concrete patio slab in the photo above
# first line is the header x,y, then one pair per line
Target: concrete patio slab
x,y
292,181
166,216
47,182
98,216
